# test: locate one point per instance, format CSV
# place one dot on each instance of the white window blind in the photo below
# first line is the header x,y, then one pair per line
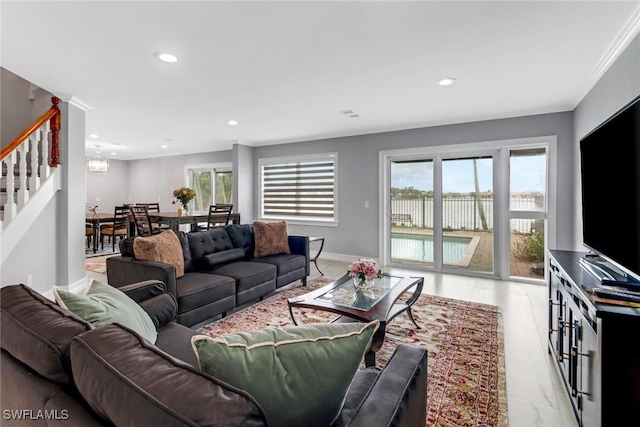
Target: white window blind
x,y
299,189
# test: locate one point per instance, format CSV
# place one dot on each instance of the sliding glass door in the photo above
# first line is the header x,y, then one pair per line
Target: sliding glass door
x,y
412,222
467,214
442,226
482,211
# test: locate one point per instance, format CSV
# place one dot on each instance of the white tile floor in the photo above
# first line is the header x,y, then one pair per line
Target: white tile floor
x,y
536,397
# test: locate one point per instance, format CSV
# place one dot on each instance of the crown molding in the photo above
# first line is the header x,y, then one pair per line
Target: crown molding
x,y
627,33
75,101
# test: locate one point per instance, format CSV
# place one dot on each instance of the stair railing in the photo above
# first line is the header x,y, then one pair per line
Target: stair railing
x,y
34,144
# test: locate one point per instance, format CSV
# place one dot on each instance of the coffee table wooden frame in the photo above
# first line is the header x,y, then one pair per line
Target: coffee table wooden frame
x,y
384,310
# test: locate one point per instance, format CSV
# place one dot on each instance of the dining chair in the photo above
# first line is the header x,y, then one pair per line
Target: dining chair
x,y
118,228
152,207
88,233
155,208
140,214
216,211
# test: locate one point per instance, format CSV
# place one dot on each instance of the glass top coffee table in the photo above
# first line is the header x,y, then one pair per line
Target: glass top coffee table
x,y
378,302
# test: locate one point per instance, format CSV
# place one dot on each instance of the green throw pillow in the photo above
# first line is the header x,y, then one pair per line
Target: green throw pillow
x,y
299,375
101,304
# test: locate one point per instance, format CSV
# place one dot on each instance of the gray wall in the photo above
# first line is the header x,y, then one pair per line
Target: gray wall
x,y
17,109
153,180
244,179
109,189
36,254
357,233
145,180
619,85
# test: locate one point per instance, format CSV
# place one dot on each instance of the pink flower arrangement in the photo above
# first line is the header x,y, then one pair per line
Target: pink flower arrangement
x,y
365,269
95,209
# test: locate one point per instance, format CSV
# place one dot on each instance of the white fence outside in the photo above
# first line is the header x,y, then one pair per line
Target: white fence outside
x,y
461,212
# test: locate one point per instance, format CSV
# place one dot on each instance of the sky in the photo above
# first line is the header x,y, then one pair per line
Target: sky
x,y
527,174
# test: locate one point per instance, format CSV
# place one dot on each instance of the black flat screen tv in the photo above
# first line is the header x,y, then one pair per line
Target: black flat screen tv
x,y
610,173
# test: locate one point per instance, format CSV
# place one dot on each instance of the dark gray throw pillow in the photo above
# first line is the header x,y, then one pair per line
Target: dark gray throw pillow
x,y
223,257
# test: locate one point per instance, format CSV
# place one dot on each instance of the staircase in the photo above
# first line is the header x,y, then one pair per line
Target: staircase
x,y
29,176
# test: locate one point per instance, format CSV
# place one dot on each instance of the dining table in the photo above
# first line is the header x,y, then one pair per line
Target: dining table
x,y
175,219
95,219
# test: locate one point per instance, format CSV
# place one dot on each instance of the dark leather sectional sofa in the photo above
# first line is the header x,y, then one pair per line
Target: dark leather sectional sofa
x,y
57,370
221,272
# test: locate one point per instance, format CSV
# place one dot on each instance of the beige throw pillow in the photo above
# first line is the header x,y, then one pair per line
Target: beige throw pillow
x,y
271,238
164,247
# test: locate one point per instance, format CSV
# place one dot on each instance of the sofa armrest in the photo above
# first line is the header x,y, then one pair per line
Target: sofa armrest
x,y
124,270
163,309
299,245
144,290
399,395
152,296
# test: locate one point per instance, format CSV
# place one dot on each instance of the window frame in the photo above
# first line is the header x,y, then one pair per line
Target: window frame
x,y
295,219
206,167
501,181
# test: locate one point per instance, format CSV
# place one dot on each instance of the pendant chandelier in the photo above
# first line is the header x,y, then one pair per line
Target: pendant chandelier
x,y
97,164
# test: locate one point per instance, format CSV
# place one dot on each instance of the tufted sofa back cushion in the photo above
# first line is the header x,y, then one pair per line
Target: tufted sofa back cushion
x,y
242,237
186,252
203,243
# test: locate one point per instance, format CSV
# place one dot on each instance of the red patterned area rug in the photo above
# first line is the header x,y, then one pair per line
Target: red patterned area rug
x,y
466,371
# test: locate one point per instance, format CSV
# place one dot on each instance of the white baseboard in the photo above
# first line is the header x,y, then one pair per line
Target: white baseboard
x,y
75,287
79,285
339,257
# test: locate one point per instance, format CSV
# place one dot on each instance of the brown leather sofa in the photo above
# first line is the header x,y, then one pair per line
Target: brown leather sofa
x,y
221,272
57,370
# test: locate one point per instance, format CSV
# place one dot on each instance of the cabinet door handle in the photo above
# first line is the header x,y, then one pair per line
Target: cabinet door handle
x,y
560,340
573,367
573,370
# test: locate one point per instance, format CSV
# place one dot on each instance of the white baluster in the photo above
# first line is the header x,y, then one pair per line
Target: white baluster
x,y
10,207
34,179
44,135
23,191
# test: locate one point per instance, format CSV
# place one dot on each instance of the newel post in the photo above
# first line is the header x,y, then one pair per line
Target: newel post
x,y
55,128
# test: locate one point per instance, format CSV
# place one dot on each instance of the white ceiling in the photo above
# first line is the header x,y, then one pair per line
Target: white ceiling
x,y
286,70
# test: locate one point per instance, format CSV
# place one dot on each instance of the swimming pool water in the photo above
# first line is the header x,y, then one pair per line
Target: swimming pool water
x,y
420,247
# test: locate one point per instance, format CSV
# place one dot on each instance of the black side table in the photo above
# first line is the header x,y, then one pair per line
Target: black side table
x,y
315,258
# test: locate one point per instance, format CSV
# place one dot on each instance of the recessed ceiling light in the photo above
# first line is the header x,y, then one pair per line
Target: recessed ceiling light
x,y
166,57
232,122
164,146
446,81
113,153
93,135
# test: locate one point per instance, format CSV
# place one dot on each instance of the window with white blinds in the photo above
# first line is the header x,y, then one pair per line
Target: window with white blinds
x,y
299,188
